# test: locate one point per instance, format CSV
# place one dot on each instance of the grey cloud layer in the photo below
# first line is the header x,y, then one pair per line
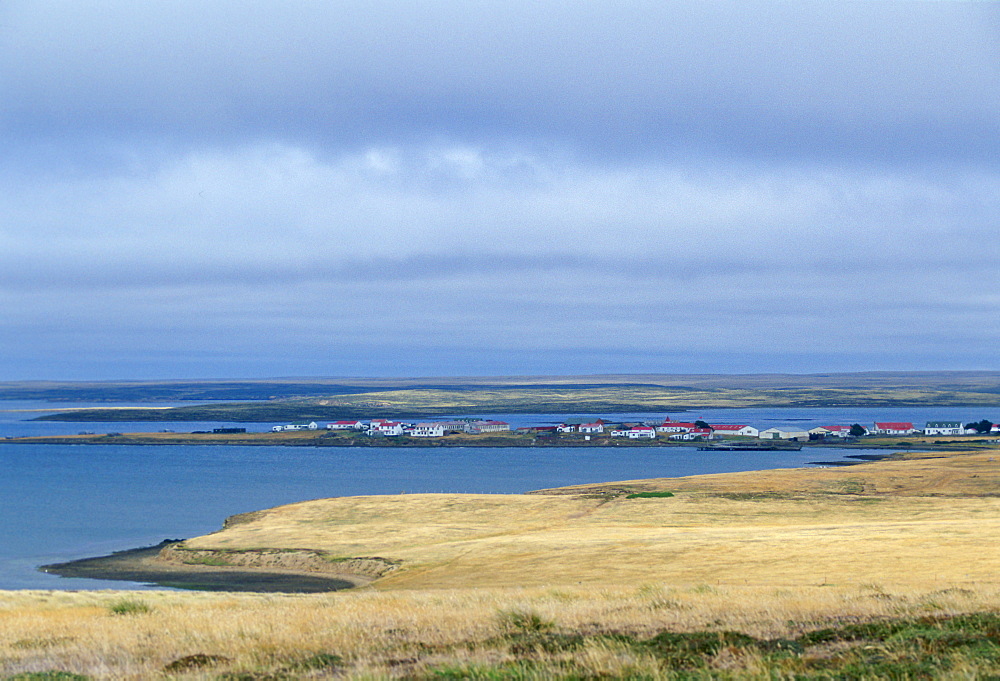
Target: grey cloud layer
x,y
466,187
844,79
276,211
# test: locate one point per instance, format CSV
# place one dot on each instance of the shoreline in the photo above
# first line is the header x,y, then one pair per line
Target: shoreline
x,y
148,565
144,566
324,440
271,568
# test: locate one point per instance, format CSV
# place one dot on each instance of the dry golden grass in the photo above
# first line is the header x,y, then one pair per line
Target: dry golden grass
x,y
385,634
917,474
913,523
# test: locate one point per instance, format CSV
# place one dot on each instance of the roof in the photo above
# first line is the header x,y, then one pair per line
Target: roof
x,y
893,425
944,424
728,427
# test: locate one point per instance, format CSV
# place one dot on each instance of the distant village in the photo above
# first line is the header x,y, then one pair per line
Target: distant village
x,y
698,431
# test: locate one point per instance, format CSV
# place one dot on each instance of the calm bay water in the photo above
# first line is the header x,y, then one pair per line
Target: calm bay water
x,y
63,502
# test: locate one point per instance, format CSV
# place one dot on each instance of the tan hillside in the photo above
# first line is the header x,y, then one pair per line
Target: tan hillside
x,y
916,522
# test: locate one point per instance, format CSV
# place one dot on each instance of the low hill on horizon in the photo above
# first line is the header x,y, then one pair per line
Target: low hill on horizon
x,y
329,398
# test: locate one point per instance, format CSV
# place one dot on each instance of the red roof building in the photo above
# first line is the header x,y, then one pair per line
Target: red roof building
x,y
893,428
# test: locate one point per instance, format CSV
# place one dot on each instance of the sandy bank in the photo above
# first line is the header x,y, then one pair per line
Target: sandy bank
x,y
149,565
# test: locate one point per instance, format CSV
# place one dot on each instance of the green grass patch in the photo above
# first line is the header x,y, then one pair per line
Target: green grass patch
x,y
965,646
53,675
650,495
523,621
128,606
212,561
754,496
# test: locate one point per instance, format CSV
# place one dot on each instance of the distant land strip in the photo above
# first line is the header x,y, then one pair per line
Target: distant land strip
x,y
423,403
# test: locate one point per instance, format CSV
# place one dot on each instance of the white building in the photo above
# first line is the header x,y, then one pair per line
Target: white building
x,y
345,425
297,426
597,427
385,428
725,429
489,427
638,433
675,427
782,434
944,428
893,428
837,431
693,434
428,430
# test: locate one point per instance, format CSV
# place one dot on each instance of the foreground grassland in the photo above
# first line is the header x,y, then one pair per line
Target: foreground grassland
x,y
651,631
883,570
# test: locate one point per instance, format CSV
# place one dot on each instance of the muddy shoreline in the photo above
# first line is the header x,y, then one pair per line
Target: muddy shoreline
x,y
142,565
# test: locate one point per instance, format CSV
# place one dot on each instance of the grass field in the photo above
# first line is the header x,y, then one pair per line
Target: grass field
x,y
897,521
654,630
882,570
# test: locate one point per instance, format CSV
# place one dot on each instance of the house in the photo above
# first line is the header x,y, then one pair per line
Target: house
x,y
428,430
783,434
297,426
693,434
641,433
381,427
345,425
893,428
566,427
836,431
675,427
944,428
637,432
488,427
822,432
726,429
596,427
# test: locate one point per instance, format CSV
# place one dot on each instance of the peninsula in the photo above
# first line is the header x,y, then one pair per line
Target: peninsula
x,y
804,572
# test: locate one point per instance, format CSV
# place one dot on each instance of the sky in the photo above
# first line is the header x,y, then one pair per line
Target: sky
x,y
251,189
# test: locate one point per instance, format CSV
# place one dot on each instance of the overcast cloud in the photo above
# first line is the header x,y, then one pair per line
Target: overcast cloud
x,y
424,188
